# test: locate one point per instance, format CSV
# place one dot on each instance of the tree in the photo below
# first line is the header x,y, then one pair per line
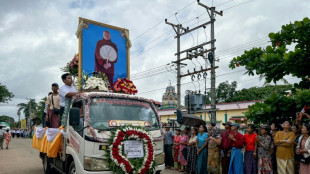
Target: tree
x,y
277,107
40,109
258,93
5,94
276,61
8,119
27,108
226,92
273,63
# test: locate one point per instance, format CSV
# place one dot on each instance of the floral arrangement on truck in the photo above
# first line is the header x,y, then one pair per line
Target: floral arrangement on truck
x,y
72,67
135,163
97,82
125,86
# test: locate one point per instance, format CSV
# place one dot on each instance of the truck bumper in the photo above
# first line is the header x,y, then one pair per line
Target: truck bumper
x,y
158,168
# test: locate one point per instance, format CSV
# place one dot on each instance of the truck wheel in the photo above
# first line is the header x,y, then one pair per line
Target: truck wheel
x,y
47,165
72,169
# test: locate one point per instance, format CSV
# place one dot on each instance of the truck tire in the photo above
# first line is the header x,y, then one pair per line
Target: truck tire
x,y
72,169
47,165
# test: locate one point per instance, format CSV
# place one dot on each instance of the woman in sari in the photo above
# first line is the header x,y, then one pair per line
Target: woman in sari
x,y
303,149
191,166
176,148
214,151
7,138
202,151
263,144
183,149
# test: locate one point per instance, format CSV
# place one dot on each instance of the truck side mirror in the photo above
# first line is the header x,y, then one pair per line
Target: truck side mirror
x,y
74,117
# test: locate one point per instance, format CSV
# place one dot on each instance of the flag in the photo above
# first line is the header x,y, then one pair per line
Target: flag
x,y
302,111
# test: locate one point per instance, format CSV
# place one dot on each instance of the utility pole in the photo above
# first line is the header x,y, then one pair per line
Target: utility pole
x,y
211,11
178,30
196,51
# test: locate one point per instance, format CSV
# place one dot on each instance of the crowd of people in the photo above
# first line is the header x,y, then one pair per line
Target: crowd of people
x,y
267,149
19,133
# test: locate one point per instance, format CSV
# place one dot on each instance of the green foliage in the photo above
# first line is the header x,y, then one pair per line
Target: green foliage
x,y
5,94
40,109
226,92
8,119
278,107
302,98
273,63
276,61
27,108
258,93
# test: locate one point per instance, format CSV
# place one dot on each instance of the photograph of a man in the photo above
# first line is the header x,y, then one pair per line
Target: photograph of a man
x,y
106,55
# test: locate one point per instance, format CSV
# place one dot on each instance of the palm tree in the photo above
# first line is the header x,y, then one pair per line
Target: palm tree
x,y
27,108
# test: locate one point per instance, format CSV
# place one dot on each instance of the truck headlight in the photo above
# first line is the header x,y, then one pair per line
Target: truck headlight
x,y
95,164
160,159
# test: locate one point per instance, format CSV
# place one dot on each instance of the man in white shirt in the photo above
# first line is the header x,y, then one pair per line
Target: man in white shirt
x,y
17,133
21,133
1,137
66,91
13,133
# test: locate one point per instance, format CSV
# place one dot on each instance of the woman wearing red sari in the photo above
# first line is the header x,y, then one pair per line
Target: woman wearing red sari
x,y
176,148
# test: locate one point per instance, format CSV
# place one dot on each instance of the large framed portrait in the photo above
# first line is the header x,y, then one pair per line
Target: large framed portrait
x,y
103,48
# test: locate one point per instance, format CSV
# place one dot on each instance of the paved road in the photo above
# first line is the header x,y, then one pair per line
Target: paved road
x,y
21,158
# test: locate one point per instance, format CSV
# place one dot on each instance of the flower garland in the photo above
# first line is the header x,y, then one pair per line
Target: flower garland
x,y
125,86
119,163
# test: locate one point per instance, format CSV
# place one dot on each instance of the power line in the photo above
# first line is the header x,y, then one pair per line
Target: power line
x,y
196,81
231,50
237,5
217,5
159,43
183,22
207,79
153,27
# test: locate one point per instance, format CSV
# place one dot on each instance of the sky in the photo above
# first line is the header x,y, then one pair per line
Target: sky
x,y
37,38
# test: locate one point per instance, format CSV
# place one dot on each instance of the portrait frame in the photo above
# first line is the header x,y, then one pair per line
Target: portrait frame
x,y
83,24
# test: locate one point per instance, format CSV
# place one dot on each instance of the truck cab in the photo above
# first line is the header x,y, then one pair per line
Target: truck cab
x,y
91,117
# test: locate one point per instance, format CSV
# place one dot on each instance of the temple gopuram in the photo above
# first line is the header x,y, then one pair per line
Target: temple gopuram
x,y
169,99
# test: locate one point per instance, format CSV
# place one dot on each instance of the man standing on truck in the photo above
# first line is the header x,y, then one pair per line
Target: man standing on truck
x,y
53,101
65,92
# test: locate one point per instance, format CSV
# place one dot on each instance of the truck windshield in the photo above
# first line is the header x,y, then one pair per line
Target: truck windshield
x,y
105,110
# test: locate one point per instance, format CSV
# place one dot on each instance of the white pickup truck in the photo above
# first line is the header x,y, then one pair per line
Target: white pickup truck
x,y
88,130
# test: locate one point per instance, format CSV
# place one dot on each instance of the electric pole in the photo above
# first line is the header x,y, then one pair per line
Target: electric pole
x,y
178,30
194,52
211,11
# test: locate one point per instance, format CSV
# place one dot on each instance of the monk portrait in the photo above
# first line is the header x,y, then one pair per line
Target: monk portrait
x,y
106,56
